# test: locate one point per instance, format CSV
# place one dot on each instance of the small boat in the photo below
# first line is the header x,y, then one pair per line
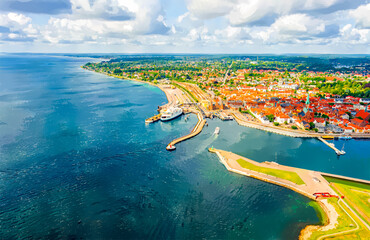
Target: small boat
x,y
327,137
217,130
345,137
170,147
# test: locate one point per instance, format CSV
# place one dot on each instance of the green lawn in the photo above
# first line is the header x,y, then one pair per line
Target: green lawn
x,y
357,195
344,224
287,175
347,182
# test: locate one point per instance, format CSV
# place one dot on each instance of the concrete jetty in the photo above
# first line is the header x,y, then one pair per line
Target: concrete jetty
x,y
313,181
332,146
196,130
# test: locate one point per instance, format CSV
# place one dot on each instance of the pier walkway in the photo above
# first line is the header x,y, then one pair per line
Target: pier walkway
x,y
332,146
196,130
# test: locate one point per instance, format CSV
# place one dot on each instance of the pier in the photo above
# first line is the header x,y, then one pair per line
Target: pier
x,y
196,130
332,146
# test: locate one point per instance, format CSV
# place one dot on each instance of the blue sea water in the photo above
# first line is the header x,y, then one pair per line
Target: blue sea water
x,y
77,161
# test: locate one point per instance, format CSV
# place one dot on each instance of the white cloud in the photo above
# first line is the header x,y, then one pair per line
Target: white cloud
x,y
318,4
298,24
205,9
104,9
199,35
14,19
104,20
352,35
203,25
17,27
292,28
362,16
182,17
233,33
262,12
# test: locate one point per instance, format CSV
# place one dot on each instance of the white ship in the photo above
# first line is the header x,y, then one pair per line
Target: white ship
x,y
217,130
171,113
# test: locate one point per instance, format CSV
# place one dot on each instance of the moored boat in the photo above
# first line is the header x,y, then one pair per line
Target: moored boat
x,y
345,137
327,137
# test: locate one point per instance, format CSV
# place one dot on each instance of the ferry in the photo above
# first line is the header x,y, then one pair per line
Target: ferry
x,y
327,137
217,130
171,113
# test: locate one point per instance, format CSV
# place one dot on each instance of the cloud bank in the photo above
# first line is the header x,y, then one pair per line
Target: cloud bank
x,y
235,26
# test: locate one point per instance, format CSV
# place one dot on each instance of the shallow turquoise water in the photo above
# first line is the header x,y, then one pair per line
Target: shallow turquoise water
x,y
77,161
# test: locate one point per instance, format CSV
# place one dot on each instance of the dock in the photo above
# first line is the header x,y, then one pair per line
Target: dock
x,y
153,119
331,145
196,130
224,117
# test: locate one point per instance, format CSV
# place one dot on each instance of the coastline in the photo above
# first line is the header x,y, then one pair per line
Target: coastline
x,y
289,132
324,206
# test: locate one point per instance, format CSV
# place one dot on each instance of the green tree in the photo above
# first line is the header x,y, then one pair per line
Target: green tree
x,y
270,117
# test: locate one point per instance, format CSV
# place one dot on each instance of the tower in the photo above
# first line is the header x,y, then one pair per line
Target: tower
x,y
305,109
308,99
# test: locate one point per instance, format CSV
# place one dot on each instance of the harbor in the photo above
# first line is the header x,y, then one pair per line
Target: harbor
x,y
179,102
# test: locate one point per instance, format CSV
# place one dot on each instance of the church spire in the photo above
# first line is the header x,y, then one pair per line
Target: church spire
x,y
308,99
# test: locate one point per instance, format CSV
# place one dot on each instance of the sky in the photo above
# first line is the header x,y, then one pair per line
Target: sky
x,y
185,26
